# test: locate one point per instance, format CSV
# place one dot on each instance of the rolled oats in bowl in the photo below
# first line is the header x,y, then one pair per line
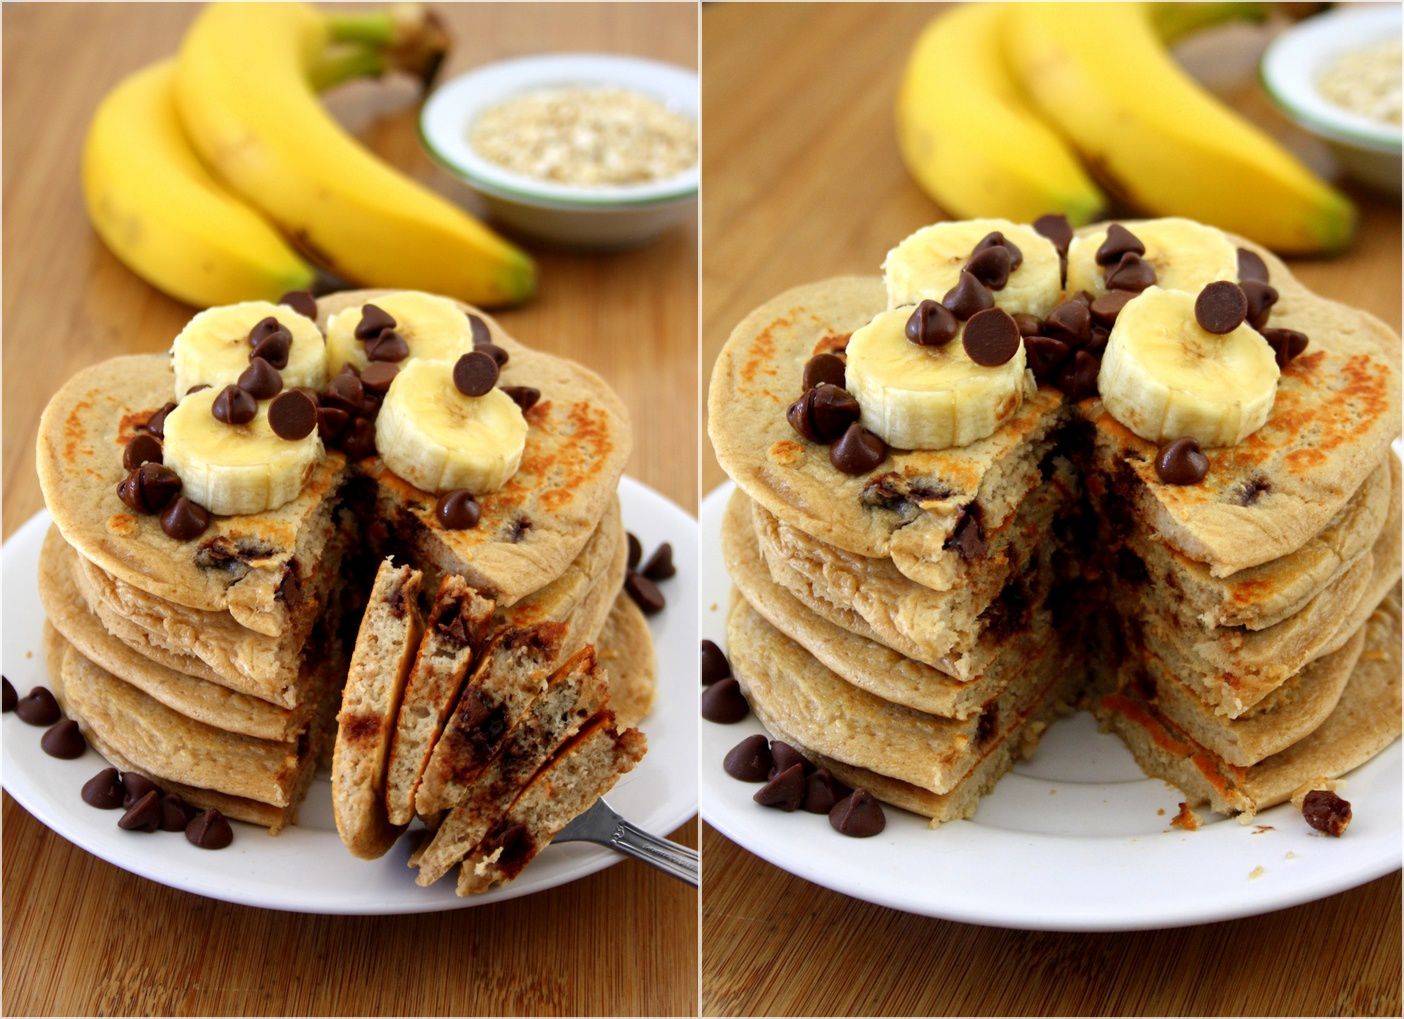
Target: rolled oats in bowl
x,y
1366,81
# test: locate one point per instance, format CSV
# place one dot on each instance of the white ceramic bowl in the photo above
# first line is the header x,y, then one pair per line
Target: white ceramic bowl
x,y
595,217
1366,149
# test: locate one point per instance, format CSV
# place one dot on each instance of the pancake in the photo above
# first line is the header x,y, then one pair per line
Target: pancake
x,y
624,648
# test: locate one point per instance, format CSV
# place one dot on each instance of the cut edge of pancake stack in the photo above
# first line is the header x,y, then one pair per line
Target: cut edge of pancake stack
x,y
916,628
215,666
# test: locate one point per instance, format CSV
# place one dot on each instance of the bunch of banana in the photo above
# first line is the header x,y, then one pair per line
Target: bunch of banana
x,y
1002,104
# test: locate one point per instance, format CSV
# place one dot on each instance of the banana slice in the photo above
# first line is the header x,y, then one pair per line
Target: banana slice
x,y
436,438
927,264
1184,254
1166,378
434,328
234,469
916,397
213,349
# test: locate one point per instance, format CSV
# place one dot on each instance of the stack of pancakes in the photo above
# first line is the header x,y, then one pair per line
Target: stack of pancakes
x,y
915,628
215,666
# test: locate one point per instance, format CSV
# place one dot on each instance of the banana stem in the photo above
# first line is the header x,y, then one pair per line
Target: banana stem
x,y
1174,21
376,28
344,63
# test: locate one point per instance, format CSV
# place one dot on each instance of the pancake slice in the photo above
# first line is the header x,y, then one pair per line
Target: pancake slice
x,y
625,650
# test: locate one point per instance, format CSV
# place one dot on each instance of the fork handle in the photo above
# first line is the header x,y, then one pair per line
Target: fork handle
x,y
675,860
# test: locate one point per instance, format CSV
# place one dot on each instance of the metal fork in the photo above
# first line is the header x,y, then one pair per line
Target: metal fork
x,y
602,826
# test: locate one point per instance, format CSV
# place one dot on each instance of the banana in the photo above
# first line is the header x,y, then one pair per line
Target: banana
x,y
245,89
1184,254
436,438
213,349
916,397
433,328
1166,378
926,264
970,140
165,216
235,469
1100,75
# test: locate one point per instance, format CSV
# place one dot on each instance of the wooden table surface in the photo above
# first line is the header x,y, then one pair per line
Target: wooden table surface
x,y
802,181
82,937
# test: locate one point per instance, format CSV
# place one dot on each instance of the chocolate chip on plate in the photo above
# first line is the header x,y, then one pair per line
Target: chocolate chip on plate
x,y
11,698
635,549
184,519
857,451
785,791
645,593
991,337
104,790
1251,266
144,814
378,376
234,406
659,566
260,379
302,302
156,422
821,792
175,814
374,321
828,368
724,702
149,488
991,266
209,830
475,373
524,397
457,510
1056,228
144,448
1221,307
1326,812
1078,376
292,415
1070,322
930,325
1132,273
1118,242
136,786
479,329
1106,307
784,756
1286,344
1044,354
749,760
64,740
967,297
38,707
389,347
715,667
272,341
1261,298
858,815
1181,462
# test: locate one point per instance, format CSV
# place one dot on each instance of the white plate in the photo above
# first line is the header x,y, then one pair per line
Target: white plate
x,y
1070,840
306,868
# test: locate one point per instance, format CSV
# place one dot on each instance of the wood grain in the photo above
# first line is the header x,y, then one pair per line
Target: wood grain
x,y
802,181
82,937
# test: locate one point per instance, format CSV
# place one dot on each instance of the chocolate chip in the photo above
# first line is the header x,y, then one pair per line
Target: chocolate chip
x,y
104,790
826,368
374,321
1251,266
64,740
1098,340
184,519
1251,490
1220,307
144,448
11,697
785,791
635,549
457,510
479,329
1055,226
345,390
389,346
144,814
1106,307
1044,354
1070,322
991,267
378,376
1029,325
209,830
292,416
1078,376
820,793
38,708
197,388
967,538
1261,298
260,379
784,756
858,815
1181,462
475,373
1118,243
996,239
156,422
749,760
302,302
723,702
714,664
272,341
1082,297
857,451
1132,273
1326,812
660,565
645,593
930,325
823,413
524,397
358,441
331,422
1286,344
493,351
234,406
135,786
991,338
149,488
967,297
175,815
